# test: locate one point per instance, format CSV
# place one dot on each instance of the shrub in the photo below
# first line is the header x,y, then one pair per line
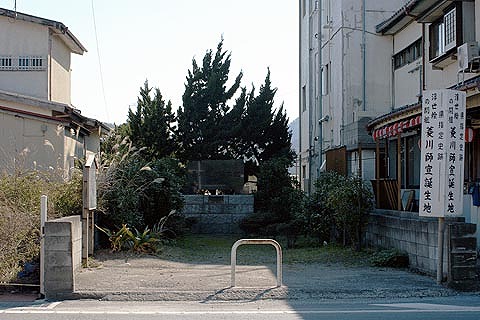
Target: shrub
x,y
146,241
126,239
338,209
67,198
319,214
20,215
351,200
278,204
393,258
137,192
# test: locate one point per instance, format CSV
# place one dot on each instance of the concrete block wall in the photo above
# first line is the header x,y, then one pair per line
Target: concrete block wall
x,y
63,255
217,214
418,236
462,272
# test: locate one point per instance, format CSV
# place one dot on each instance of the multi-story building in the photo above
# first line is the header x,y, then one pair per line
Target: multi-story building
x,y
435,45
345,81
39,128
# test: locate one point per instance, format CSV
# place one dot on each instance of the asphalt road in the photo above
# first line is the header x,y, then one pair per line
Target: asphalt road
x,y
457,307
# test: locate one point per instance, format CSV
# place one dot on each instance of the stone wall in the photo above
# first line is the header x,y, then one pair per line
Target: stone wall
x,y
63,255
418,236
217,214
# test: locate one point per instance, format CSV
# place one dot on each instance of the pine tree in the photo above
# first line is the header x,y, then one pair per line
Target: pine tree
x,y
266,133
151,126
231,127
200,119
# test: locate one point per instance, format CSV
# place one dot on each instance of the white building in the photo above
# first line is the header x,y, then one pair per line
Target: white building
x,y
39,128
344,87
429,38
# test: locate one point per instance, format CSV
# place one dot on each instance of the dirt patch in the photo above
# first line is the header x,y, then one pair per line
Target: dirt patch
x,y
202,272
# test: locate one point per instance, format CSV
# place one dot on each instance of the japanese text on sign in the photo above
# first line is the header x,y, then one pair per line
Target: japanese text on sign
x,y
442,154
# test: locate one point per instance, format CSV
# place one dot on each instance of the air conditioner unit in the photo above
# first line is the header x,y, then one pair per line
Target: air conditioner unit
x,y
468,57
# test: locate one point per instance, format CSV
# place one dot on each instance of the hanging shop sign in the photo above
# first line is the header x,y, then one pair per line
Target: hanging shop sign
x,y
397,128
442,153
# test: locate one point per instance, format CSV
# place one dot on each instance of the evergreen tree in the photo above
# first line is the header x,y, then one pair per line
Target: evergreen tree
x,y
266,133
231,127
201,131
151,126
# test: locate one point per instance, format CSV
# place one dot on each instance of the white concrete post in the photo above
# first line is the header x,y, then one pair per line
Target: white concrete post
x,y
43,219
233,256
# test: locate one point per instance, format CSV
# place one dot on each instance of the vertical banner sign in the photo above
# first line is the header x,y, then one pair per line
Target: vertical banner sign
x,y
442,153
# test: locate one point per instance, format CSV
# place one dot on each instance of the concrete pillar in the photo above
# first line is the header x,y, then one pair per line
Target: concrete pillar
x,y
63,249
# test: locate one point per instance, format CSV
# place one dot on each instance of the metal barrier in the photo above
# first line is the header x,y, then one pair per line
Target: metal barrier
x,y
274,243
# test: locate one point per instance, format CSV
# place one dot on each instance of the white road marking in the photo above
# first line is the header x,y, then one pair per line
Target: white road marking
x,y
239,312
53,305
429,306
392,308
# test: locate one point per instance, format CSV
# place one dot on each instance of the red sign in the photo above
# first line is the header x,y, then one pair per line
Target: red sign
x,y
397,128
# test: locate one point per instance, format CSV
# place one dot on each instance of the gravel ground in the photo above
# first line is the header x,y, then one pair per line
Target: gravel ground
x,y
123,277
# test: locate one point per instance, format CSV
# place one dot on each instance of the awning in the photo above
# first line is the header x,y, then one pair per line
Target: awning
x,y
397,128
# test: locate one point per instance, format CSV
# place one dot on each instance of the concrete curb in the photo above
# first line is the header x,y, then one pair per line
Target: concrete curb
x,y
254,294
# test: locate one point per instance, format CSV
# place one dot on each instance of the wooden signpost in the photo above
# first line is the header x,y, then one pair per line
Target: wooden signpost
x,y
89,204
442,159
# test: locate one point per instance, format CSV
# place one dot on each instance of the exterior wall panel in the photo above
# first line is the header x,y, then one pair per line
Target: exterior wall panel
x,y
19,38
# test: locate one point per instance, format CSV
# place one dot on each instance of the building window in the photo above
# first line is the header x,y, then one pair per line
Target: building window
x,y
392,159
22,63
304,7
413,161
450,29
5,63
408,55
326,79
304,98
30,63
444,34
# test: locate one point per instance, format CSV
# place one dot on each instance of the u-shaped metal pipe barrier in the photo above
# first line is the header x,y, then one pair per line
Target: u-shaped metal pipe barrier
x,y
233,256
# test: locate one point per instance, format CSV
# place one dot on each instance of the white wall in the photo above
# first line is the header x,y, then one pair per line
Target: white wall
x,y
407,78
23,38
28,143
20,38
343,50
60,71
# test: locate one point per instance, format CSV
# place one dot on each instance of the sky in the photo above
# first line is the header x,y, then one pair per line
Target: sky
x,y
157,40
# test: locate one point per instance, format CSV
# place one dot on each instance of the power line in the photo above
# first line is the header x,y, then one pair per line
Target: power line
x,y
99,62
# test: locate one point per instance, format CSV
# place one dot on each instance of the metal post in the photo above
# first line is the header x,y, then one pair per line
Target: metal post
x,y
399,173
441,231
43,219
233,257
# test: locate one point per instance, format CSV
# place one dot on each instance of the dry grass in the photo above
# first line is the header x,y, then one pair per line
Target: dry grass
x,y
20,216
